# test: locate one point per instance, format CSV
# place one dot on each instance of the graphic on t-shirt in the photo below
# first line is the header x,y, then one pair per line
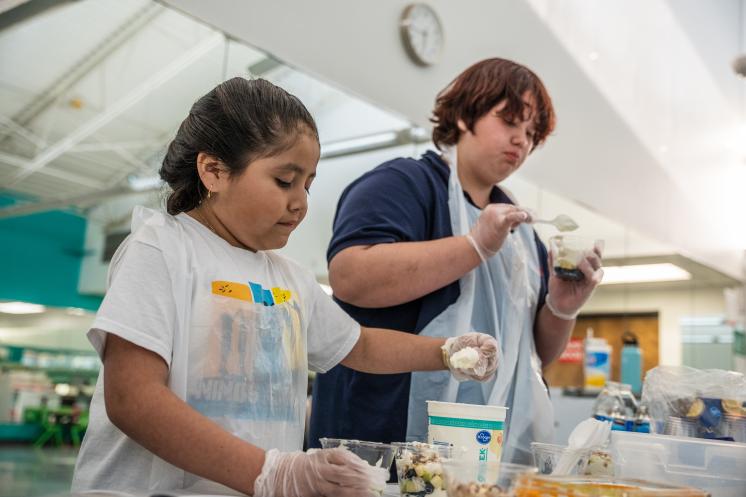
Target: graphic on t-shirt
x,y
238,291
253,292
254,354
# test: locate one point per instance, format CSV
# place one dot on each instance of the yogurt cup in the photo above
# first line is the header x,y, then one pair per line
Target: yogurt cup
x,y
477,431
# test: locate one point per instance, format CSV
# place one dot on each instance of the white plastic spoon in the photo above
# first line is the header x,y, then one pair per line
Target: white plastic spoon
x,y
563,222
589,433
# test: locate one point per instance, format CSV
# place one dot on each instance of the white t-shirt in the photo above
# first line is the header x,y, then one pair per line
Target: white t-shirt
x,y
239,331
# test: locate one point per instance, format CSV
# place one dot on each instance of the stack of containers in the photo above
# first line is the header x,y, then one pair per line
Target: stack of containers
x,y
716,466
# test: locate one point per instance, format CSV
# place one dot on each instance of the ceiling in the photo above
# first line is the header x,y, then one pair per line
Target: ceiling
x,y
665,67
84,111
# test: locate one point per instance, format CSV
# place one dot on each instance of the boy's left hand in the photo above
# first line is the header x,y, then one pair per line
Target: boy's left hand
x,y
568,297
485,363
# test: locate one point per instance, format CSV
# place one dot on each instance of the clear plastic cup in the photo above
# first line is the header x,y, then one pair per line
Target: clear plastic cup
x,y
681,427
481,479
548,456
419,469
567,252
374,453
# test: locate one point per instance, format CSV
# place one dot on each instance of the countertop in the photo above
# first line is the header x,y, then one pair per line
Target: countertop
x,y
392,490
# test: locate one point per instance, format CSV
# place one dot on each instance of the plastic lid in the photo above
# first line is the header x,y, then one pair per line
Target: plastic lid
x,y
597,342
469,411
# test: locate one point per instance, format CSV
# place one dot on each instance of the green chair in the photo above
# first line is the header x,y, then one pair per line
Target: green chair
x,y
78,428
33,415
52,429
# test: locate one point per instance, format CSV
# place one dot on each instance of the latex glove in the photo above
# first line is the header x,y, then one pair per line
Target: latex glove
x,y
492,227
321,473
486,364
566,298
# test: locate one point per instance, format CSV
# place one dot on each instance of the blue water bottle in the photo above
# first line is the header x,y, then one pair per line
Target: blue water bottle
x,y
631,362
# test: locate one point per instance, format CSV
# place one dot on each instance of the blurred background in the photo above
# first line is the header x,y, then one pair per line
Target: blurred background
x,y
649,155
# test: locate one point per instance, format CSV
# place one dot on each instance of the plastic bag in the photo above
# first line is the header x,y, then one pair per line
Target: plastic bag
x,y
684,401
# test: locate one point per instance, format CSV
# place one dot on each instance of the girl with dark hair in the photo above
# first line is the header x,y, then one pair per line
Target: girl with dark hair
x,y
442,242
207,336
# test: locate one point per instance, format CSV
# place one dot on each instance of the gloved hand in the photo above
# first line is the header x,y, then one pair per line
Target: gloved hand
x,y
566,298
321,473
486,361
492,227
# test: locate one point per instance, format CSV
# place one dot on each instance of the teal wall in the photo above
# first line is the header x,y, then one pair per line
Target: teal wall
x,y
40,258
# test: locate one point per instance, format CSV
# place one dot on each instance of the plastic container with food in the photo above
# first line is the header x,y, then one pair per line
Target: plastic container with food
x,y
481,479
374,453
574,486
547,457
588,461
419,469
567,252
600,463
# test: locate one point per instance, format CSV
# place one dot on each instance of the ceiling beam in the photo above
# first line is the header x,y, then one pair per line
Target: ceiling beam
x,y
374,141
140,165
15,11
17,161
261,68
117,108
105,146
23,132
88,62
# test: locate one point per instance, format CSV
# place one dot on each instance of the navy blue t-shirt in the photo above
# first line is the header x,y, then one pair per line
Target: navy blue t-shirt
x,y
403,200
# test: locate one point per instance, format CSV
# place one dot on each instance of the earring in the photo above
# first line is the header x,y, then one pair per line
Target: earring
x,y
209,194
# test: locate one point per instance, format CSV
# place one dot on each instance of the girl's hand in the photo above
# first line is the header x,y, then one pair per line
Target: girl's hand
x,y
321,473
484,363
566,298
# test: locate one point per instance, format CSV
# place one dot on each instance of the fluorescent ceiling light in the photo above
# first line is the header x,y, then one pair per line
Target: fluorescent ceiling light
x,y
360,143
644,273
62,389
21,308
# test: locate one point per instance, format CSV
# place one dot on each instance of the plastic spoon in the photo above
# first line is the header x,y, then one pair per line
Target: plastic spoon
x,y
589,433
563,222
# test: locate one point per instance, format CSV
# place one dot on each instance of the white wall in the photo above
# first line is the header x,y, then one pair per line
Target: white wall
x,y
671,306
309,242
595,157
112,215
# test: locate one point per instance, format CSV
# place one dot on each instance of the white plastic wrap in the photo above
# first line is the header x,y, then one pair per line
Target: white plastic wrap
x,y
706,403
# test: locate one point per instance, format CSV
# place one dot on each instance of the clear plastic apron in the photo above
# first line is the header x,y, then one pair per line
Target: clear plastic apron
x,y
242,364
499,297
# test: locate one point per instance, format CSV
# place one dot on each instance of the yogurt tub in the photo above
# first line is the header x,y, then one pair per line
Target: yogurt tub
x,y
476,430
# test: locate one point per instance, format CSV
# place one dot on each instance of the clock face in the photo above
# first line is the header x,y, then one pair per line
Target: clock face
x,y
422,34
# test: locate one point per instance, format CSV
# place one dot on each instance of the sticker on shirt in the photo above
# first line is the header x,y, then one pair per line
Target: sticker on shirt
x,y
252,359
